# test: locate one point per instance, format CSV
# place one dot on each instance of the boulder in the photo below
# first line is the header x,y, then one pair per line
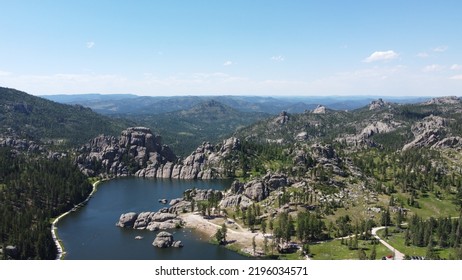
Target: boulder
x,y
127,219
232,201
175,201
163,240
177,244
162,217
256,190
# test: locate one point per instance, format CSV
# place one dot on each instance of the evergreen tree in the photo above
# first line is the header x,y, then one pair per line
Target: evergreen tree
x,y
373,254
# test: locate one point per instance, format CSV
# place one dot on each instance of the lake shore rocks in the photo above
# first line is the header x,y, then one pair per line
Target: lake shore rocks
x,y
152,221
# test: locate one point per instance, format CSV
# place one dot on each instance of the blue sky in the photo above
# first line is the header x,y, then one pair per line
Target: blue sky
x,y
232,47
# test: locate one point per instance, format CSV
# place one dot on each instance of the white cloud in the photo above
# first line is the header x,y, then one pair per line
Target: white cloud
x,y
456,77
228,63
277,58
440,49
456,67
90,45
432,68
381,55
423,55
4,73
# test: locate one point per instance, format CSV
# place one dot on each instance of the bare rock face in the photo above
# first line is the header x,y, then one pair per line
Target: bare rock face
x,y
450,142
323,153
427,132
126,155
231,201
376,127
319,110
256,190
139,152
203,163
302,136
253,191
283,118
377,104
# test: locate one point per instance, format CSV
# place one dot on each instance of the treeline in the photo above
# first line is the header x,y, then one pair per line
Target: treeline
x,y
432,233
32,192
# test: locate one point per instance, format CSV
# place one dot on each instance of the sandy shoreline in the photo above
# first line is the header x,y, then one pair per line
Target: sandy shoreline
x,y
239,237
54,228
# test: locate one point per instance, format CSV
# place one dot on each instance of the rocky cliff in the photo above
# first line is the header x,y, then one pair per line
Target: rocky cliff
x,y
137,147
139,152
203,163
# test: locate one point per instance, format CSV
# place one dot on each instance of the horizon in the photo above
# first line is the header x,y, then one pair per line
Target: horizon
x,y
258,48
248,95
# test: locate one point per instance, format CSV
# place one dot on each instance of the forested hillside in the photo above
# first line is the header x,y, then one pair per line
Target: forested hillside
x,y
32,192
39,119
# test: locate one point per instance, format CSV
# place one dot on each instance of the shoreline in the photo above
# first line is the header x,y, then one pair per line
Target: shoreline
x,y
239,238
59,246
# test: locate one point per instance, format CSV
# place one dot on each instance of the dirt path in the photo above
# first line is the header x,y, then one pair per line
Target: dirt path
x,y
235,233
398,255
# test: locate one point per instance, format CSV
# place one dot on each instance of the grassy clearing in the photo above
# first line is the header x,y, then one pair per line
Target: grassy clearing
x,y
396,239
334,250
431,206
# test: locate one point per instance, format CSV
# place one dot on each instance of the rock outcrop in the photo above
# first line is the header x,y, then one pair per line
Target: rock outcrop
x,y
127,219
122,156
139,152
152,221
245,194
283,118
20,145
363,139
427,132
378,127
203,163
449,142
377,104
165,240
443,100
319,110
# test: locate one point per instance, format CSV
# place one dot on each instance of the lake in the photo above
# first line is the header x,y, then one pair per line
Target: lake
x,y
90,232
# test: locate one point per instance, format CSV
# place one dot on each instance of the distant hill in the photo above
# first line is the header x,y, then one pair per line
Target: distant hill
x,y
39,119
184,130
131,104
383,124
92,97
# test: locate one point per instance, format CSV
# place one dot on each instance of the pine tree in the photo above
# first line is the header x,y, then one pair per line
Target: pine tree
x,y
362,255
373,254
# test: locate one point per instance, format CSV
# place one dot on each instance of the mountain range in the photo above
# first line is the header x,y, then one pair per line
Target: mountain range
x,y
337,172
132,104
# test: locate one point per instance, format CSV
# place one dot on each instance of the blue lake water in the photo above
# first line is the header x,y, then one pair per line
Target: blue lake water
x,y
90,232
